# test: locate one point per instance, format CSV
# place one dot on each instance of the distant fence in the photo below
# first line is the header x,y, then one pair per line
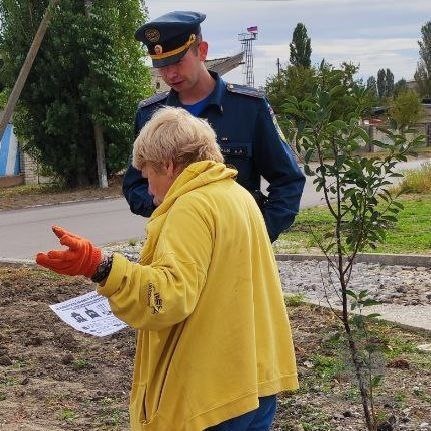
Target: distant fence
x,y
9,153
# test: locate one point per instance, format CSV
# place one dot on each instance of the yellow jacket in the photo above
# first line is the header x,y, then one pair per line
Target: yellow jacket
x,y
213,334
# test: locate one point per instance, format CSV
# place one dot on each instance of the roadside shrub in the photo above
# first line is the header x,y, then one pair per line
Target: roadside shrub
x,y
417,181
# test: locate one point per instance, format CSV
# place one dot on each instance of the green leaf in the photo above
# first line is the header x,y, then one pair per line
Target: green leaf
x,y
376,380
373,315
369,302
308,171
351,293
363,294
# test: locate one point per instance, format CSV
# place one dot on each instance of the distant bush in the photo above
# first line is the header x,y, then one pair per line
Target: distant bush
x,y
417,181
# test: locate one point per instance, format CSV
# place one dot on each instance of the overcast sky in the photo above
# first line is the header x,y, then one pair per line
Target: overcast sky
x,y
372,33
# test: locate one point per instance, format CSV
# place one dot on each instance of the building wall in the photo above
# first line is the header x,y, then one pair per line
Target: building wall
x,y
16,166
31,169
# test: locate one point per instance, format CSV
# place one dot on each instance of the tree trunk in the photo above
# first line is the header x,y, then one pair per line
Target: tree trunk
x,y
98,130
26,67
100,153
428,133
370,146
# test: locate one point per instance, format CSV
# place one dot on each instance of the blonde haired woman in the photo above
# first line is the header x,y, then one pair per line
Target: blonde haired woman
x,y
214,344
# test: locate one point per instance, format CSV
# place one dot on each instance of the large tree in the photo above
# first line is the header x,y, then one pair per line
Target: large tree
x,y
381,83
290,81
400,86
85,82
390,83
300,48
406,110
385,83
423,72
372,85
1,79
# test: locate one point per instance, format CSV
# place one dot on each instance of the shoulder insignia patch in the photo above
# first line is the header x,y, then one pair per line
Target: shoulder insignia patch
x,y
153,99
274,120
245,89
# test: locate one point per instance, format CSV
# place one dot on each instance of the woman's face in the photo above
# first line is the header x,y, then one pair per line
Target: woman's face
x,y
159,181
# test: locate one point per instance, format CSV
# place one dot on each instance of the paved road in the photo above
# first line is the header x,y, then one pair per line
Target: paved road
x,y
25,232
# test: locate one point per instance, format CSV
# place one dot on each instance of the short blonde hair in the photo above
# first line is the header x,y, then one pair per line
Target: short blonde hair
x,y
174,135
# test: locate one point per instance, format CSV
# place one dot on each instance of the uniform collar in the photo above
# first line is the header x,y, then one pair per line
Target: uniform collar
x,y
215,98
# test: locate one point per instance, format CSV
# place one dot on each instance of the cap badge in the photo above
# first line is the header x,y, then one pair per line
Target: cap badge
x,y
152,34
158,49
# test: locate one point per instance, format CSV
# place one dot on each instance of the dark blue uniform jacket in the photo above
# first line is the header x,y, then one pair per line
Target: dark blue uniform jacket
x,y
249,140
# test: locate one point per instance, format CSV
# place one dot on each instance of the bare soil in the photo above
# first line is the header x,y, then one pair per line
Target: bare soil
x,y
55,378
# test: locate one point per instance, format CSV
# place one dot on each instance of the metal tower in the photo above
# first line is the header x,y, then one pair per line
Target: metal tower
x,y
246,40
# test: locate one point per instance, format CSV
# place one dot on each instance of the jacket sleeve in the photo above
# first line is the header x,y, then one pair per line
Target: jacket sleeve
x,y
276,162
165,292
135,188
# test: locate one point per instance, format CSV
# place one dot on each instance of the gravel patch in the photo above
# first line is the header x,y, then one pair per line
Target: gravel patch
x,y
399,285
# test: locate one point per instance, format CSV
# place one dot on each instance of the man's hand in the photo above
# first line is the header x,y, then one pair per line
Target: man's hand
x,y
81,257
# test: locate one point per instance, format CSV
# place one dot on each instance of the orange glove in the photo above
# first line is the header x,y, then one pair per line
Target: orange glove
x,y
82,257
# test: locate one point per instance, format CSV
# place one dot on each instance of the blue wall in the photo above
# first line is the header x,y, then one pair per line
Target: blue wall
x,y
9,153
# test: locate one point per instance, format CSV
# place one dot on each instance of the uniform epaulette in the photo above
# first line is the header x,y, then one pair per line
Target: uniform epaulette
x,y
153,99
245,89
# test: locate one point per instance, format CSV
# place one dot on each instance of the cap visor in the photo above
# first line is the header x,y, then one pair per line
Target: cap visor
x,y
172,59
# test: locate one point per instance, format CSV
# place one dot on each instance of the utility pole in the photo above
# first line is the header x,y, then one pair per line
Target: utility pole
x,y
278,67
26,67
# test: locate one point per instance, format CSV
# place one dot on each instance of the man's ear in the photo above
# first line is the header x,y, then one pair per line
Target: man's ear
x,y
203,50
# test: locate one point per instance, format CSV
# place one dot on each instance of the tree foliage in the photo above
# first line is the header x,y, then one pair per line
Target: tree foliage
x,y
1,79
406,110
300,48
381,83
89,70
291,81
385,83
300,82
372,87
390,83
423,71
400,86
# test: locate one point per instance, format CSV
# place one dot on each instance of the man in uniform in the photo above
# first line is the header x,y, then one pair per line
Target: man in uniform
x,y
244,122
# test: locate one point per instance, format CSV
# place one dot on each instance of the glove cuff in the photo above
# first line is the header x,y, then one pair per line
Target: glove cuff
x,y
94,261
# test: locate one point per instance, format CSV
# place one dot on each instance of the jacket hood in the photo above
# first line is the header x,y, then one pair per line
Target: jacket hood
x,y
193,177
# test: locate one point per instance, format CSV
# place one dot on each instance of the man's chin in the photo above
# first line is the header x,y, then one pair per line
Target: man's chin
x,y
177,86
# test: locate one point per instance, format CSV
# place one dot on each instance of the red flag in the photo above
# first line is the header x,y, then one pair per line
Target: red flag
x,y
252,29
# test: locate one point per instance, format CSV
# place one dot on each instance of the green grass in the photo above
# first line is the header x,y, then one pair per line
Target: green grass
x,y
32,189
417,180
67,415
411,234
294,299
80,364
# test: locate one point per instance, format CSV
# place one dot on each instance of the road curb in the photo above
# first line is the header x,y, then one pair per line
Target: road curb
x,y
61,203
383,259
16,262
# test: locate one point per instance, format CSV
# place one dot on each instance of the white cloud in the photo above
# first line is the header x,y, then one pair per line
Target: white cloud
x,y
375,34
